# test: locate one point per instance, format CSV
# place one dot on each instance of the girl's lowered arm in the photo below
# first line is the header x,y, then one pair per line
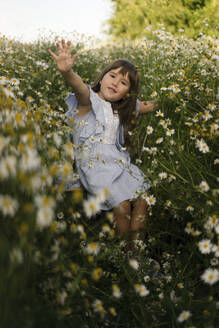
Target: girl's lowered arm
x,y
65,62
147,106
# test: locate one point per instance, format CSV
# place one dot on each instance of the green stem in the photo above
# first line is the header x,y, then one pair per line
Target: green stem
x,y
173,172
188,262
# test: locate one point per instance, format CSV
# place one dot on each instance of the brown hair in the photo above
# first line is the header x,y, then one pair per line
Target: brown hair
x,y
126,107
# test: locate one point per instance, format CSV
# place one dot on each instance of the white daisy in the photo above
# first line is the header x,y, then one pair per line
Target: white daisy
x,y
3,80
146,278
16,256
8,166
210,276
214,126
8,93
206,116
69,151
171,178
98,307
217,229
8,205
163,123
184,315
153,150
159,114
4,141
150,130
211,107
57,139
134,264
44,201
204,186
163,88
92,248
151,200
141,290
45,214
159,140
14,81
163,175
154,94
102,195
106,228
92,139
215,261
44,217
66,170
202,146
215,249
61,297
168,203
30,99
211,223
138,161
189,208
116,291
91,206
79,228
30,160
205,246
170,132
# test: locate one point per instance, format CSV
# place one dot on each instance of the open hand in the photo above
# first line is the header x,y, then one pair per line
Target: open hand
x,y
151,105
64,60
147,106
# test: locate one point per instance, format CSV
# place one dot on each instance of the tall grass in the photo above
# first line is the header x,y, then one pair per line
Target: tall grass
x,y
59,268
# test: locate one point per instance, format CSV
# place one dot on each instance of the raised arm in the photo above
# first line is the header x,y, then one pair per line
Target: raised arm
x,y
147,106
65,62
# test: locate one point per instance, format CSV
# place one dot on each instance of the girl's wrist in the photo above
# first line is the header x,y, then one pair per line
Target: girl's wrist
x,y
67,74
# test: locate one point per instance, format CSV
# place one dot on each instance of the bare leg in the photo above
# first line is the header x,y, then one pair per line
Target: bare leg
x,y
122,214
138,219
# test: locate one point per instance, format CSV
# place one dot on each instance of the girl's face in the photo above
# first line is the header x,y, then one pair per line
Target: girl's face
x,y
114,85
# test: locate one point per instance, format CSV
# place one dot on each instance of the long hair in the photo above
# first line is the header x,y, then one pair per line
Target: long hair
x,y
126,107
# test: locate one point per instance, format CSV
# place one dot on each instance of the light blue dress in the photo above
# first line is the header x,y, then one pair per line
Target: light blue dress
x,y
101,160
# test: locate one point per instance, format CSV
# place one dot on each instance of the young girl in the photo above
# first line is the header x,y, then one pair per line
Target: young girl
x,y
102,115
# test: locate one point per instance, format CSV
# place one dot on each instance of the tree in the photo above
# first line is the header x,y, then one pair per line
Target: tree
x,y
132,18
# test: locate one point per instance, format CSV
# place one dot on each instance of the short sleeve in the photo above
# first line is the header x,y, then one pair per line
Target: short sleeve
x,y
72,104
137,107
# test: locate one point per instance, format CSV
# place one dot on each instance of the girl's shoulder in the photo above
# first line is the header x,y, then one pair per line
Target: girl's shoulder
x,y
96,110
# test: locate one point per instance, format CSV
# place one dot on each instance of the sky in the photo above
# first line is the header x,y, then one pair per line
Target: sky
x,y
25,20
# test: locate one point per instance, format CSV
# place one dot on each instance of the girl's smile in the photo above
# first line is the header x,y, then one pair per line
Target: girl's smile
x,y
114,85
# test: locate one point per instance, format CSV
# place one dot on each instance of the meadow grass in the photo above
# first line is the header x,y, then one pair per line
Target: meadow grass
x,y
60,268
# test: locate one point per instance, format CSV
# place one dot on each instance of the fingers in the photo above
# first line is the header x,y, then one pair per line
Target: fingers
x,y
63,43
58,47
64,47
155,103
52,53
74,57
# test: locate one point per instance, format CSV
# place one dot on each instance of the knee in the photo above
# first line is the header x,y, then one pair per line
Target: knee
x,y
123,208
140,203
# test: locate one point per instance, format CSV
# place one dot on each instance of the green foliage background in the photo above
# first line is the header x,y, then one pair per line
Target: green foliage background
x,y
50,274
133,19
